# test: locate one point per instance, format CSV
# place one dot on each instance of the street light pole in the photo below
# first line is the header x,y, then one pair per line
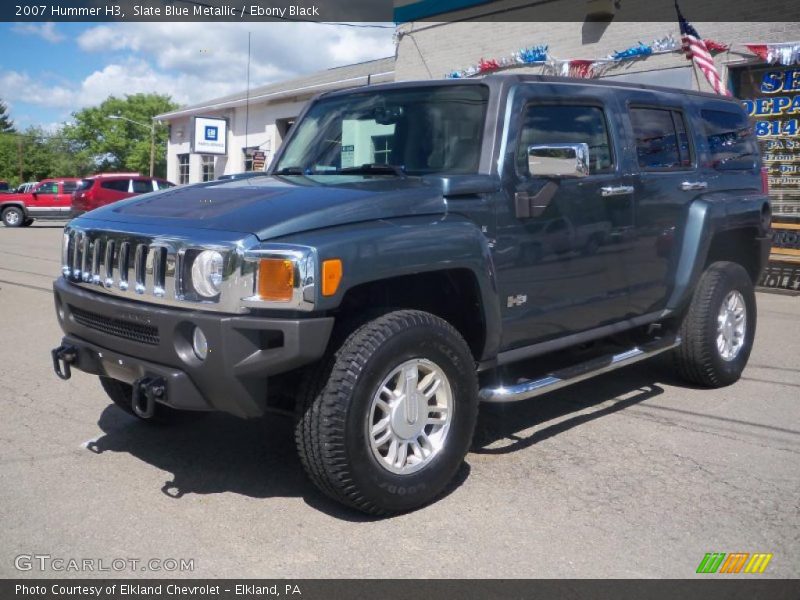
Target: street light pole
x,y
152,137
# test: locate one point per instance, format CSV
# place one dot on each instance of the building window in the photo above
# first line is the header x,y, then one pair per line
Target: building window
x,y
183,168
382,149
208,168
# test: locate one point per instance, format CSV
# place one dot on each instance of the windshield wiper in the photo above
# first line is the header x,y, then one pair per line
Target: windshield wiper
x,y
369,168
290,171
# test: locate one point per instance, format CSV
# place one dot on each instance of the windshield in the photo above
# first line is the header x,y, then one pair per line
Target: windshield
x,y
410,131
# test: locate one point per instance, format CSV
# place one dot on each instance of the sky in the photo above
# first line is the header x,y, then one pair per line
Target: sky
x,y
50,70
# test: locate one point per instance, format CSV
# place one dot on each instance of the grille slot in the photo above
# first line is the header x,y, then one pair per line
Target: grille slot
x,y
135,332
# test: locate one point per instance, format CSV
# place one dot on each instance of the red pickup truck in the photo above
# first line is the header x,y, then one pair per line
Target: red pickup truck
x,y
51,199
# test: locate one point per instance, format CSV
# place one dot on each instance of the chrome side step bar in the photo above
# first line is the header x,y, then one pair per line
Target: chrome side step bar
x,y
579,372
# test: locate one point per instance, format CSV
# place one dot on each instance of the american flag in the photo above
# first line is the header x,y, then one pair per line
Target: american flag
x,y
696,50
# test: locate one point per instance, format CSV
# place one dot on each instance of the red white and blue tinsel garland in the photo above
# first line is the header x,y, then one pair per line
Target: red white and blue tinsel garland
x,y
784,53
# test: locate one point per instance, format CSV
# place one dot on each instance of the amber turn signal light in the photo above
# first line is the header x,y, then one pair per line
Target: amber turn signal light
x,y
331,276
275,279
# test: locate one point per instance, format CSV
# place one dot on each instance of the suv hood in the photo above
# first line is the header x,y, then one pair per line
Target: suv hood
x,y
271,207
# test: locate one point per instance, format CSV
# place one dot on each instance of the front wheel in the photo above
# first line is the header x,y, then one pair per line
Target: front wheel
x,y
385,427
717,331
13,216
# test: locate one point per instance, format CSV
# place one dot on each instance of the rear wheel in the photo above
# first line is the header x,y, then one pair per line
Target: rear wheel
x,y
717,331
385,426
13,216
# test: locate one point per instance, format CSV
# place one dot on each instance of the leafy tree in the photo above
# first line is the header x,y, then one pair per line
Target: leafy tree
x,y
6,124
120,144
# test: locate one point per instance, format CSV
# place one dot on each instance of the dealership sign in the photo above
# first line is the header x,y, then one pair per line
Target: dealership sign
x,y
209,135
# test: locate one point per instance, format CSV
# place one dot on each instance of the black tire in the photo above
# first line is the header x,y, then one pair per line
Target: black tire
x,y
697,359
331,431
13,216
121,394
27,222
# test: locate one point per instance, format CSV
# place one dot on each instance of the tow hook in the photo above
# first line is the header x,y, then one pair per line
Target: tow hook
x,y
63,357
145,392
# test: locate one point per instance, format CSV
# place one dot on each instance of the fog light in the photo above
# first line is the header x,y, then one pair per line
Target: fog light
x,y
199,343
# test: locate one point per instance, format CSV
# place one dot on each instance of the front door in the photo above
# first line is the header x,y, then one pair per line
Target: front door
x,y
45,201
560,269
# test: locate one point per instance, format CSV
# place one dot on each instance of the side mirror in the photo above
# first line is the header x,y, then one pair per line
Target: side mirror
x,y
559,160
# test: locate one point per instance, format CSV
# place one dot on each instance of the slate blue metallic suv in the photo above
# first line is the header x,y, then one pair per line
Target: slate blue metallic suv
x,y
417,248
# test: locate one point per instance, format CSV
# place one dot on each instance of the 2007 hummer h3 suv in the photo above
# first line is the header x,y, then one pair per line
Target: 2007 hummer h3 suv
x,y
418,247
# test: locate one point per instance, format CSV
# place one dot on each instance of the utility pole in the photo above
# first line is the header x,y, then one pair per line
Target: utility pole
x,y
19,158
152,146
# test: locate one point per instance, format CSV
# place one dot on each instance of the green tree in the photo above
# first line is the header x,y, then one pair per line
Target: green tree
x,y
120,144
6,124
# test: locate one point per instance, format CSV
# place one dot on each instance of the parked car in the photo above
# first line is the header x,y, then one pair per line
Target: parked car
x,y
107,188
373,282
25,188
49,199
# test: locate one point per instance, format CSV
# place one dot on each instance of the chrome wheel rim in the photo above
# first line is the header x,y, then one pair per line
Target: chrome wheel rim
x,y
409,416
731,325
12,217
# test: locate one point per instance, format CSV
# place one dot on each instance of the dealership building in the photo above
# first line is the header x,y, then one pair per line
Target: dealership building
x,y
242,131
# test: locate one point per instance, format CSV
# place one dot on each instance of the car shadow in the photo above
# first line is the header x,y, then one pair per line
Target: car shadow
x,y
218,453
500,426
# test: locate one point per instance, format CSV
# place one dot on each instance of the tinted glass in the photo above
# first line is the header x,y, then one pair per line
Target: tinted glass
x,y
163,185
142,186
661,140
85,184
566,125
730,139
70,186
118,185
420,130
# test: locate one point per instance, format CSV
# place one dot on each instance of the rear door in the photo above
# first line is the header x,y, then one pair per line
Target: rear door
x,y
113,190
558,272
666,180
64,198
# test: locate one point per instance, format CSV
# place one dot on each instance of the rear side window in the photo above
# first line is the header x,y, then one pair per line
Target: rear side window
x,y
163,185
544,124
661,139
70,186
142,186
118,185
730,139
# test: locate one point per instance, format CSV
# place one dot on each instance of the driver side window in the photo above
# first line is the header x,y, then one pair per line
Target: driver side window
x,y
48,188
566,124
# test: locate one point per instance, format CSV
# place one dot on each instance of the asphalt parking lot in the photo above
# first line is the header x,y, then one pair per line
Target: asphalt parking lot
x,y
627,475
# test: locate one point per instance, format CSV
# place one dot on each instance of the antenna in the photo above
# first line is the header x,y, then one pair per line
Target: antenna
x,y
247,100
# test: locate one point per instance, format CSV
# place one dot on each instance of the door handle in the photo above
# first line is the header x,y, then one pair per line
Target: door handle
x,y
616,190
687,186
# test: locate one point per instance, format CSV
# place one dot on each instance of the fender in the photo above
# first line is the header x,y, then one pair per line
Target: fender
x,y
378,250
6,203
708,215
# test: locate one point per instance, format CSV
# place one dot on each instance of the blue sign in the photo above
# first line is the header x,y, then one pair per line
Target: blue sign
x,y
212,133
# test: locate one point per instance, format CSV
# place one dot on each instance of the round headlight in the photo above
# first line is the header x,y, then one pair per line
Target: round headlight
x,y
207,273
199,343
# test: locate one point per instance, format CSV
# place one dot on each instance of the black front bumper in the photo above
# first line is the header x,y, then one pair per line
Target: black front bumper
x,y
131,340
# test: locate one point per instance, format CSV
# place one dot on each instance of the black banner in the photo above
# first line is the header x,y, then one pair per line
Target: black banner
x,y
400,11
346,589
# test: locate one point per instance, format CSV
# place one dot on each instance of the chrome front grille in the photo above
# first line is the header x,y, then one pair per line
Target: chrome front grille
x,y
156,267
103,259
